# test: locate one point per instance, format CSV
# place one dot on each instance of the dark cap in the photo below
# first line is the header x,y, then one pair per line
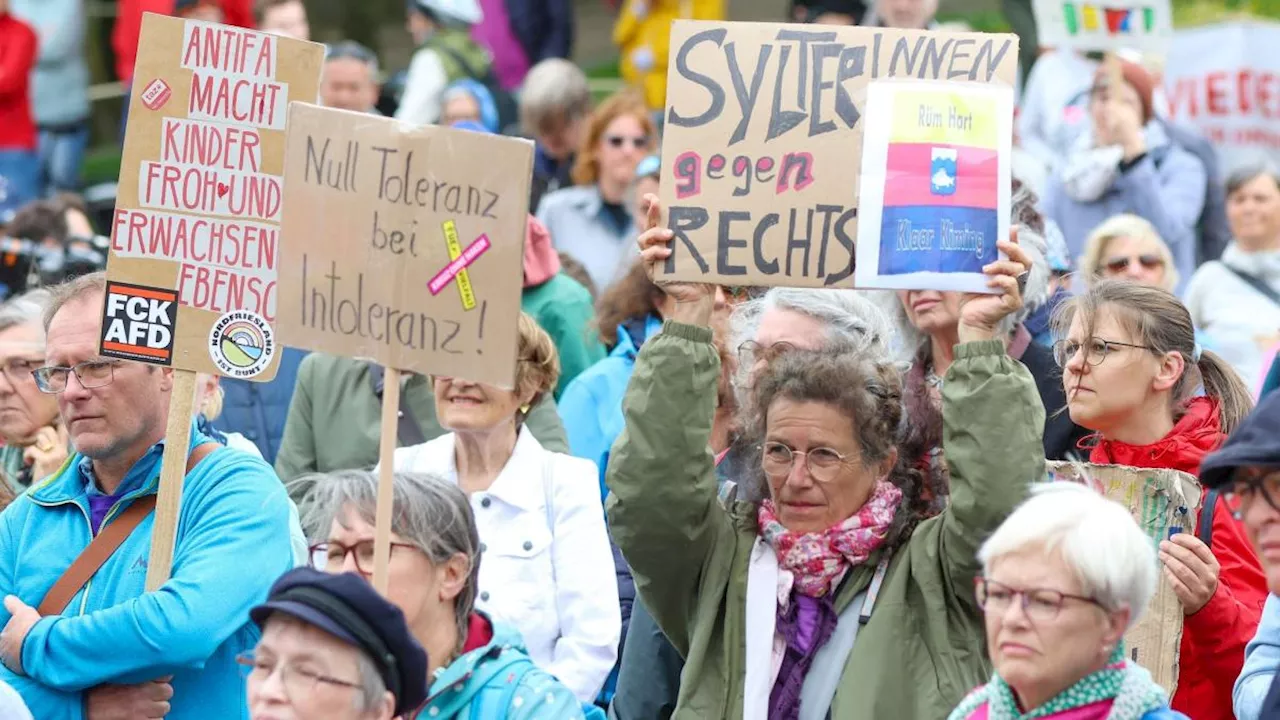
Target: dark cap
x,y
347,607
182,7
1256,442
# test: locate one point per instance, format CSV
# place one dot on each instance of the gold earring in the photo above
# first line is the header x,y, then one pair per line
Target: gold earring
x,y
524,409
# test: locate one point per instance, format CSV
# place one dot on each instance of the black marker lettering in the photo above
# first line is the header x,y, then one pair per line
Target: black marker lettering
x,y
746,97
852,63
799,243
769,267
780,121
681,220
716,104
725,243
822,51
958,54
845,238
493,200
935,55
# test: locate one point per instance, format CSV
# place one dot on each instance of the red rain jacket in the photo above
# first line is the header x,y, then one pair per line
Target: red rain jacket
x,y
124,36
17,59
1213,639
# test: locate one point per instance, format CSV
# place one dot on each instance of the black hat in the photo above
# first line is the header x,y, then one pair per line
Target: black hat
x,y
347,607
1256,442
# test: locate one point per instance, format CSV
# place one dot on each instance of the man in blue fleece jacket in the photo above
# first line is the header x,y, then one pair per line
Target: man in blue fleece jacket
x,y
117,651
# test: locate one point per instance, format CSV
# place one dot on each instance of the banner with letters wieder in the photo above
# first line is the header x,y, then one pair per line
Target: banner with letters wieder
x,y
935,187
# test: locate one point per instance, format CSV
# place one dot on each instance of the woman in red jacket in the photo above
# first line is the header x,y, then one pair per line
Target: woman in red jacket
x,y
1133,373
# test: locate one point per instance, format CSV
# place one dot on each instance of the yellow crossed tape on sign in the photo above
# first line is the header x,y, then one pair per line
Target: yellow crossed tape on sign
x,y
455,252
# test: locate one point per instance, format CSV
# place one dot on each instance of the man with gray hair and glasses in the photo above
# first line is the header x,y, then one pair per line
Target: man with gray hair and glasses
x,y
96,644
35,440
349,80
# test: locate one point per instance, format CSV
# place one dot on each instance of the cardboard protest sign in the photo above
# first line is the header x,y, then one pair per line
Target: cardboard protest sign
x,y
195,241
935,184
1224,80
1162,502
404,245
763,139
1143,25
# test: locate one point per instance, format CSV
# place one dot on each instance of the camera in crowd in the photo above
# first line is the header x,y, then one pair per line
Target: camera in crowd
x,y
49,242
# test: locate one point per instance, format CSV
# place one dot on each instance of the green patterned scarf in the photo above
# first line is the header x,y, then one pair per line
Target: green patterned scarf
x,y
1134,692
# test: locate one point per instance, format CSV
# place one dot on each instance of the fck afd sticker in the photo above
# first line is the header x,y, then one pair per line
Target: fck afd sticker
x,y
139,323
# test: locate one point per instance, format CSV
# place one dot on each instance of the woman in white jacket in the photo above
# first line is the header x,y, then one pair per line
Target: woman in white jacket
x,y
546,565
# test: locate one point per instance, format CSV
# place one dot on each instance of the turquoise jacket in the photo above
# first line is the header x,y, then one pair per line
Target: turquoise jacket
x,y
498,681
232,542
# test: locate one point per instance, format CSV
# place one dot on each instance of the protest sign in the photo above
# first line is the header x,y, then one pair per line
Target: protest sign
x,y
935,184
1085,25
1224,80
403,245
763,139
1163,503
191,271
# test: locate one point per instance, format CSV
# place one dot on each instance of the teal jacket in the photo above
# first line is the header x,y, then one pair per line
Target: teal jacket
x,y
497,681
923,649
563,307
232,542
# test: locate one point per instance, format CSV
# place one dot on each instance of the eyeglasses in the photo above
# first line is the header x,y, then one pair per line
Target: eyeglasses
x,y
19,370
299,683
1245,488
1120,264
1039,604
1096,350
641,142
331,556
751,352
52,379
824,463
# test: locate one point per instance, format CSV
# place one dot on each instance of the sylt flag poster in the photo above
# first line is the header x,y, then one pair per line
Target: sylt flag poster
x,y
935,187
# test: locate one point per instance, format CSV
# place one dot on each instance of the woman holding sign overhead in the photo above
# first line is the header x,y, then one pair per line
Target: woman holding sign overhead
x,y
547,566
1132,371
829,598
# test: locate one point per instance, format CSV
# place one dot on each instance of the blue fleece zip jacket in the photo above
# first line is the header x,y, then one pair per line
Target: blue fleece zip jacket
x,y
232,543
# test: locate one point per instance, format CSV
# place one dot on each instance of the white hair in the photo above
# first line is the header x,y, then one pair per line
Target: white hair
x,y
1113,560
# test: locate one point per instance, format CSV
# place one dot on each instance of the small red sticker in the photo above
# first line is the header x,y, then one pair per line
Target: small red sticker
x,y
156,94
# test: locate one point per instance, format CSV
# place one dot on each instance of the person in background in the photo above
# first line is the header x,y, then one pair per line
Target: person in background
x,y
128,24
259,410
575,270
332,649
1236,300
1039,322
35,440
445,53
477,666
560,306
1126,247
19,163
282,17
115,647
203,10
469,101
1127,164
642,34
350,78
547,567
336,412
59,89
554,105
648,172
832,12
521,33
1063,579
928,320
902,14
1049,117
1134,374
590,220
1246,471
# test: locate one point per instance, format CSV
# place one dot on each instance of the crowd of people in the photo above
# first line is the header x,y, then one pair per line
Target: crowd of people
x,y
697,501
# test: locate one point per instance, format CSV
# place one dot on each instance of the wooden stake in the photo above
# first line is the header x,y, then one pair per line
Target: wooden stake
x,y
173,470
386,477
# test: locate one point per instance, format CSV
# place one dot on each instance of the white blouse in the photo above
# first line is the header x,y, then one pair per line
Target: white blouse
x,y
546,567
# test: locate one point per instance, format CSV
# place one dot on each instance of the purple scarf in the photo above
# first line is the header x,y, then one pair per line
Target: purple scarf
x,y
806,625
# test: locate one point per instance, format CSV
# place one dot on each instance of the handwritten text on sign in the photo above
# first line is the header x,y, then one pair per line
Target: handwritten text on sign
x,y
380,220
202,191
763,139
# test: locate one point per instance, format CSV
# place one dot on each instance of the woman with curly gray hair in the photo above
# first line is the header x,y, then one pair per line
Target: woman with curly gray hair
x,y
927,323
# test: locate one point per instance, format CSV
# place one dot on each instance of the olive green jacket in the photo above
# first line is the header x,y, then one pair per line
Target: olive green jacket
x,y
335,417
922,649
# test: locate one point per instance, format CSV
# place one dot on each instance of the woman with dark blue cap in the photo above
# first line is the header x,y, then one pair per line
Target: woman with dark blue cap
x,y
332,649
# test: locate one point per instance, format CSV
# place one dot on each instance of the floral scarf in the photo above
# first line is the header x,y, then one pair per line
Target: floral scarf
x,y
816,560
1119,691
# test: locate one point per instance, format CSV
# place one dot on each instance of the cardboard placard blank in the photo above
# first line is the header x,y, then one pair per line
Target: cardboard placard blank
x,y
198,204
763,137
404,245
1158,500
1093,25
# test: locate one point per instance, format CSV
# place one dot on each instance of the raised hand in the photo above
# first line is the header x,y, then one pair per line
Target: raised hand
x,y
981,314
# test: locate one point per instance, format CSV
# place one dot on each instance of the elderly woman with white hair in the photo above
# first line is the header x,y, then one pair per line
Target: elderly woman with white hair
x,y
927,323
1063,578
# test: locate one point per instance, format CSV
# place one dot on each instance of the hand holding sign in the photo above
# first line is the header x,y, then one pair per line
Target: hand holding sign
x,y
655,248
980,313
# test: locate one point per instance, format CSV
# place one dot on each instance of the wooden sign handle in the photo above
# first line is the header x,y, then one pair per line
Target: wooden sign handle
x,y
386,478
173,470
